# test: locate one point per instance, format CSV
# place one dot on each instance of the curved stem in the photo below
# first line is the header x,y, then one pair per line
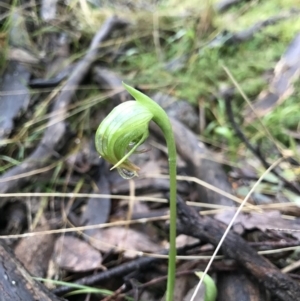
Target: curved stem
x,y
163,121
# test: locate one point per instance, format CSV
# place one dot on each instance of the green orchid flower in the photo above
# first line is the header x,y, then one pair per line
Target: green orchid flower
x,y
121,133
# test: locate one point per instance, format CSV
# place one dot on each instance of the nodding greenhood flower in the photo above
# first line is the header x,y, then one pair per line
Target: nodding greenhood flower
x,y
123,131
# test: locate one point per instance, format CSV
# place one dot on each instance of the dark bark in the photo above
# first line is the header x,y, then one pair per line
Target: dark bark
x,y
15,282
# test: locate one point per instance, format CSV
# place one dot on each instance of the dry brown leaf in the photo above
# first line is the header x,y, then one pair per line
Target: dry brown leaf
x,y
129,240
267,220
183,240
73,254
35,252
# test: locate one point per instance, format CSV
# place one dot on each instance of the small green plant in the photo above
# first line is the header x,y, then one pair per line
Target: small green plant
x,y
210,287
80,289
121,133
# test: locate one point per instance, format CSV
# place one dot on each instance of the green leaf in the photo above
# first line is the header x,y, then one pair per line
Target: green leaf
x,y
210,289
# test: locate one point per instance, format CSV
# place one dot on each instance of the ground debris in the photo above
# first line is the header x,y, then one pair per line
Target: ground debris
x,y
132,242
74,254
35,252
14,96
16,282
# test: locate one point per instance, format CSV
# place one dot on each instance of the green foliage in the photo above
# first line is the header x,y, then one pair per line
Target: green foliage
x,y
81,289
200,75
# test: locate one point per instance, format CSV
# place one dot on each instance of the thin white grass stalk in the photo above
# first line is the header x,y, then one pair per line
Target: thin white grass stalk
x,y
83,228
218,257
287,249
231,224
218,208
82,195
204,156
77,110
205,184
85,104
29,173
104,196
215,208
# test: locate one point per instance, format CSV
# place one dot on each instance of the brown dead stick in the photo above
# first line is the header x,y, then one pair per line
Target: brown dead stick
x,y
208,229
15,78
16,283
54,136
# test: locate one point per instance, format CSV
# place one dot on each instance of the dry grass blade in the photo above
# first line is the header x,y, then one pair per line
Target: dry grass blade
x,y
205,184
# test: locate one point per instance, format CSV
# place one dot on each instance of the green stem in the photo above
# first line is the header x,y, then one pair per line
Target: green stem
x,y
162,120
165,124
173,215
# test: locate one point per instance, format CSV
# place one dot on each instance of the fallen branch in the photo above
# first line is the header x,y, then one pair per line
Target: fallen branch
x,y
208,229
15,77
